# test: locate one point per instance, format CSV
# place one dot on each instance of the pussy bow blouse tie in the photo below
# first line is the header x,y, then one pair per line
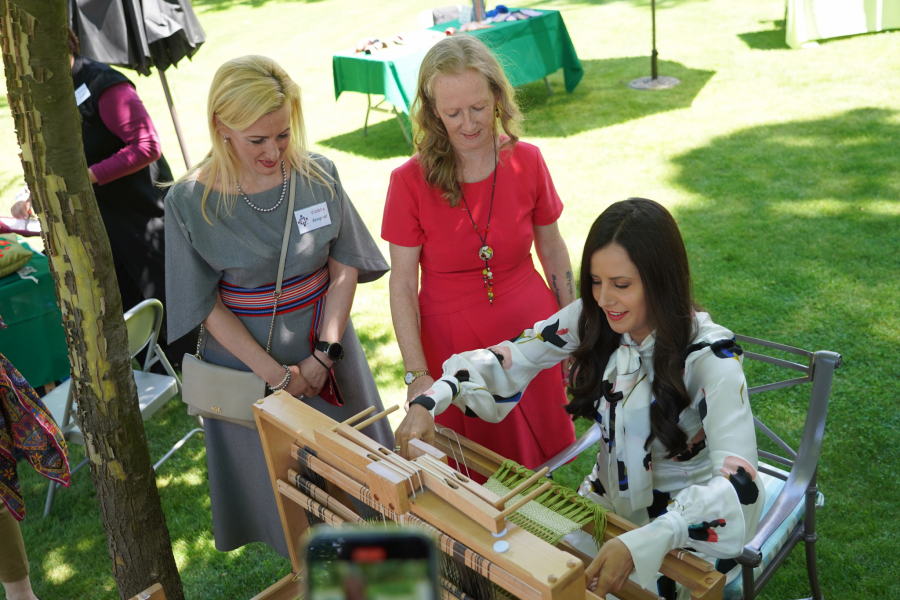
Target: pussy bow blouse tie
x,y
632,371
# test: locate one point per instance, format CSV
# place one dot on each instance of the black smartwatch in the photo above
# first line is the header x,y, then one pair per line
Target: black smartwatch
x,y
334,352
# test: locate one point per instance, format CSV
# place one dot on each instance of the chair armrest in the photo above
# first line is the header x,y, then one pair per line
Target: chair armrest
x,y
587,439
804,471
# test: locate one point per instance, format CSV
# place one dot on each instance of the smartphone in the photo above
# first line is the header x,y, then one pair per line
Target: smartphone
x,y
370,563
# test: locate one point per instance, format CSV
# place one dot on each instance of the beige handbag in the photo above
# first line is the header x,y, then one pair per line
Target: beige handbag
x,y
217,392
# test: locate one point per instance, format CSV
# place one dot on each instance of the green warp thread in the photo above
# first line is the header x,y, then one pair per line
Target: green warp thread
x,y
552,515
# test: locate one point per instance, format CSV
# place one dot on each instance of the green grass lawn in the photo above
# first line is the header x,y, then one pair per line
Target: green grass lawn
x,y
782,168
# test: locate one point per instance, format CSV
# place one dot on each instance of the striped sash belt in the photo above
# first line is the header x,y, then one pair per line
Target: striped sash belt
x,y
296,293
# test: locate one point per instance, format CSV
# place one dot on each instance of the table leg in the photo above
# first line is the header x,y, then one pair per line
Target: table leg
x,y
549,90
402,127
368,110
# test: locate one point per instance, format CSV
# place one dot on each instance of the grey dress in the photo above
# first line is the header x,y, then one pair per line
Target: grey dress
x,y
242,248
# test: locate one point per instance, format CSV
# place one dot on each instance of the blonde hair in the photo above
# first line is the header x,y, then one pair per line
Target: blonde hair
x,y
452,56
244,90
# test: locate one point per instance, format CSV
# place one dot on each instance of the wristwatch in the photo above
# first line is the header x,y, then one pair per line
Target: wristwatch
x,y
413,375
334,352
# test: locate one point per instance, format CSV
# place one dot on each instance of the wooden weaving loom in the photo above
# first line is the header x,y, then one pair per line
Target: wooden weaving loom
x,y
317,465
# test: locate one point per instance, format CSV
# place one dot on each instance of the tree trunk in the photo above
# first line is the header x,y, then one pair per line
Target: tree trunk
x,y
41,97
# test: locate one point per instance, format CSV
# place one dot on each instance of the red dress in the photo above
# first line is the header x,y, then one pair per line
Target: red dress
x,y
455,313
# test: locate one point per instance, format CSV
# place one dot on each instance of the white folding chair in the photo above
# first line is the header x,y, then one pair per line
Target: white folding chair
x,y
143,323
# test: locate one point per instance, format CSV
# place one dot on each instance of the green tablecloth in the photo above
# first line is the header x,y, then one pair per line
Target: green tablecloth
x,y
810,20
528,50
34,341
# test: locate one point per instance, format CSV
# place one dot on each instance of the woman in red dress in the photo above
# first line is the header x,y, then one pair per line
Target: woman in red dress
x,y
465,211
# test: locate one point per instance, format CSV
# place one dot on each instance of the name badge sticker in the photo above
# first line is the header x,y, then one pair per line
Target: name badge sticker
x,y
82,94
312,218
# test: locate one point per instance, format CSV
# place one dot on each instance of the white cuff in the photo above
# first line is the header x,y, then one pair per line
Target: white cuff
x,y
649,544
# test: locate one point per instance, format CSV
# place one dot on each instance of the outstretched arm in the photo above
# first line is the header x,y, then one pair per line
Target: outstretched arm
x,y
488,383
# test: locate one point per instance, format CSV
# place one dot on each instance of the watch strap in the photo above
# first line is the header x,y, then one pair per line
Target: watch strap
x,y
417,374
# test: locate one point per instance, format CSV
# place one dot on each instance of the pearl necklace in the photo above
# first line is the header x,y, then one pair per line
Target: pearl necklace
x,y
283,190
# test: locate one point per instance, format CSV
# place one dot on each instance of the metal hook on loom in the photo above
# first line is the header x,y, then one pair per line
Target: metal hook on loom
x,y
458,443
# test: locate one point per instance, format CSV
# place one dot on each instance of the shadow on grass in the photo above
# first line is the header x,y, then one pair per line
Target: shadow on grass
x,y
385,140
603,97
794,219
68,550
218,5
794,239
767,39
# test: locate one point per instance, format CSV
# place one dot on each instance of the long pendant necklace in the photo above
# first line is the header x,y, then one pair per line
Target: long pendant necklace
x,y
485,253
277,204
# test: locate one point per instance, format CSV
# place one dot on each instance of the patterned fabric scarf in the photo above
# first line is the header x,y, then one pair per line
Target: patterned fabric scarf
x,y
26,424
634,390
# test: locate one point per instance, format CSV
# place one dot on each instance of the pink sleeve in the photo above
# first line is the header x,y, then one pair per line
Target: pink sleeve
x,y
124,114
401,225
548,206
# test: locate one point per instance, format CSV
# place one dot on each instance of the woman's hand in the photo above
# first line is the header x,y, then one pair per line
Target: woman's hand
x,y
417,388
417,425
298,386
21,209
566,366
314,373
609,571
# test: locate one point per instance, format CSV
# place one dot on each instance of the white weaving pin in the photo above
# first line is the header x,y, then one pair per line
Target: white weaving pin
x,y
312,218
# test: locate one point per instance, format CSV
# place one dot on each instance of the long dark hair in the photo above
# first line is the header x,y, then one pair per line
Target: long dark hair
x,y
650,236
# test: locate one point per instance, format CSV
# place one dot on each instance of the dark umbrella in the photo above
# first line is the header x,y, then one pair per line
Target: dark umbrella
x,y
139,35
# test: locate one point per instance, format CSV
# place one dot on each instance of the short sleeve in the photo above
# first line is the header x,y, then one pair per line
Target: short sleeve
x,y
400,224
548,206
354,245
191,283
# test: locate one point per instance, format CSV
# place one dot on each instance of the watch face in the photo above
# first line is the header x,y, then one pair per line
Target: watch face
x,y
409,378
335,352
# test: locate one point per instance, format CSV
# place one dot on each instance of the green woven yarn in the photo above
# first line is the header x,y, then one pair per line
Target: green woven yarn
x,y
552,515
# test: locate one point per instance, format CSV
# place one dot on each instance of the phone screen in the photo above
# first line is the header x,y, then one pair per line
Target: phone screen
x,y
358,565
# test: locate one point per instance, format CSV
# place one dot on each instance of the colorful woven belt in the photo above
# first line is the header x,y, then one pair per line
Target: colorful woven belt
x,y
296,293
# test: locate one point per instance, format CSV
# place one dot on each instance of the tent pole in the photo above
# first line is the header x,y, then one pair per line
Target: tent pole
x,y
165,85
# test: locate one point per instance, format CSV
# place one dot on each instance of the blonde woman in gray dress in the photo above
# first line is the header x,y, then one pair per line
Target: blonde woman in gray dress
x,y
225,221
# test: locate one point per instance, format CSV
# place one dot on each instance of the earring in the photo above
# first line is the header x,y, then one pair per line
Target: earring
x,y
497,111
224,140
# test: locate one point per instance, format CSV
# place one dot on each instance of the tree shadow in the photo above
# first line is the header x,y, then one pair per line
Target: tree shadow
x,y
767,39
220,5
603,97
385,140
68,551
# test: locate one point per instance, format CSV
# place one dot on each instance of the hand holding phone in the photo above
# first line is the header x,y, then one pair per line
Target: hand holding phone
x,y
370,562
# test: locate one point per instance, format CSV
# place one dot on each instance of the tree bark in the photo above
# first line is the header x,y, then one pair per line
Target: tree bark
x,y
48,126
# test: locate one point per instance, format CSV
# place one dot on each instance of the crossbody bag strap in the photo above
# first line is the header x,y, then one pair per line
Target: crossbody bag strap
x,y
284,248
